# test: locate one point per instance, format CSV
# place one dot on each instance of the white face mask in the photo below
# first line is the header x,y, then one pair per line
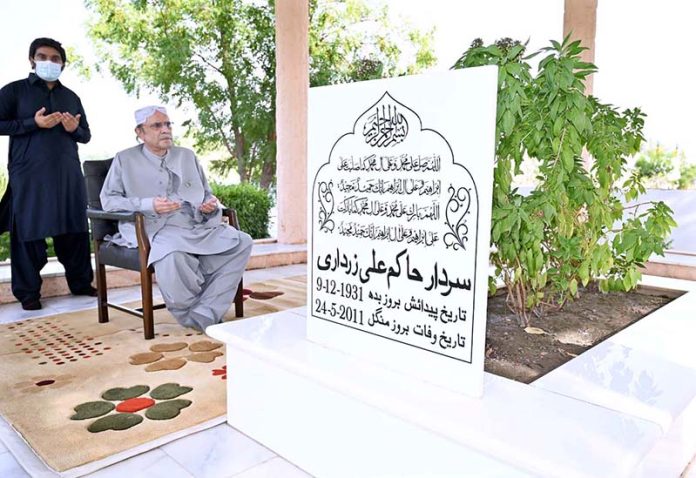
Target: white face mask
x,y
47,70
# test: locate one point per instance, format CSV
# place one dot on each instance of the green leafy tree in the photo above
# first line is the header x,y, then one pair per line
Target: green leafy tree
x,y
219,56
574,227
351,41
216,55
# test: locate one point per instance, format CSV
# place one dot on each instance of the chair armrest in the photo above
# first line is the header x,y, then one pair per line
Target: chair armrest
x,y
231,215
110,216
141,237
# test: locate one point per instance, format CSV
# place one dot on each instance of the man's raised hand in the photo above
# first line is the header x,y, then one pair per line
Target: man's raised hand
x,y
70,122
47,121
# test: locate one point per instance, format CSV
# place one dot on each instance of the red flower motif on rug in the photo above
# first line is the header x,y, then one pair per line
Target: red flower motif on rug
x,y
133,405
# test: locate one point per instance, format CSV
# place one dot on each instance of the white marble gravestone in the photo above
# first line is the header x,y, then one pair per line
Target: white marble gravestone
x,y
400,181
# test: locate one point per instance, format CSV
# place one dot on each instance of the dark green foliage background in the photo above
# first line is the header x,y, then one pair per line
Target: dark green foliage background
x,y
252,204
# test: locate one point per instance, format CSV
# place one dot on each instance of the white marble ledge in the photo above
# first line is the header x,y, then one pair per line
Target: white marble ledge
x,y
647,370
626,380
667,333
668,283
534,429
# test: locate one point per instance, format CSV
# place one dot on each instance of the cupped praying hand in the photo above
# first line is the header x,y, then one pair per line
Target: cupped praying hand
x,y
47,121
70,122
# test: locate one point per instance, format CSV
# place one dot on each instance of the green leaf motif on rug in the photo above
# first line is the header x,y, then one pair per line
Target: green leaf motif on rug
x,y
92,409
167,410
168,391
120,421
120,393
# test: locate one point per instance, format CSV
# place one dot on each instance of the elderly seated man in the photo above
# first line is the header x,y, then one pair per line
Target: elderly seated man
x,y
198,260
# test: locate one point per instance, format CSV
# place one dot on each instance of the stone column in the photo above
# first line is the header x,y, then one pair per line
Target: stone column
x,y
292,84
580,20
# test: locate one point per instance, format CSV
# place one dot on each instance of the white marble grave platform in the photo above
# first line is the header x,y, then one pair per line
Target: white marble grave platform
x,y
625,408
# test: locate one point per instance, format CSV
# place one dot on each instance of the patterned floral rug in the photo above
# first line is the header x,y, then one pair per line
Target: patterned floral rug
x,y
78,391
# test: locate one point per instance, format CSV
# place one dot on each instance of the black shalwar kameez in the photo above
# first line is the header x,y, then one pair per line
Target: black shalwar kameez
x,y
46,196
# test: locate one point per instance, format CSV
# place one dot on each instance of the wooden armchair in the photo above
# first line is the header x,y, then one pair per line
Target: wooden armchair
x,y
134,259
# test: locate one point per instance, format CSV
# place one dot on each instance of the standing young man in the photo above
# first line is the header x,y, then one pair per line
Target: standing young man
x,y
46,195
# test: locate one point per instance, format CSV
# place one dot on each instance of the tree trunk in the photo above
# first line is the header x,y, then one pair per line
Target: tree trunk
x,y
239,153
267,174
268,170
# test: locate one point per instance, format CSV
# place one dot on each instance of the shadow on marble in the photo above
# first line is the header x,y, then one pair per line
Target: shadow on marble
x,y
626,380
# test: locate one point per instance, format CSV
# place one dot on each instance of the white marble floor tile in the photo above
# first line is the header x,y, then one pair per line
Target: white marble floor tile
x,y
218,452
70,303
13,312
274,468
9,468
153,464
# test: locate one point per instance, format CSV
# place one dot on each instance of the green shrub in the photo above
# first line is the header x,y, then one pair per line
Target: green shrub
x,y
4,246
571,228
251,203
5,237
